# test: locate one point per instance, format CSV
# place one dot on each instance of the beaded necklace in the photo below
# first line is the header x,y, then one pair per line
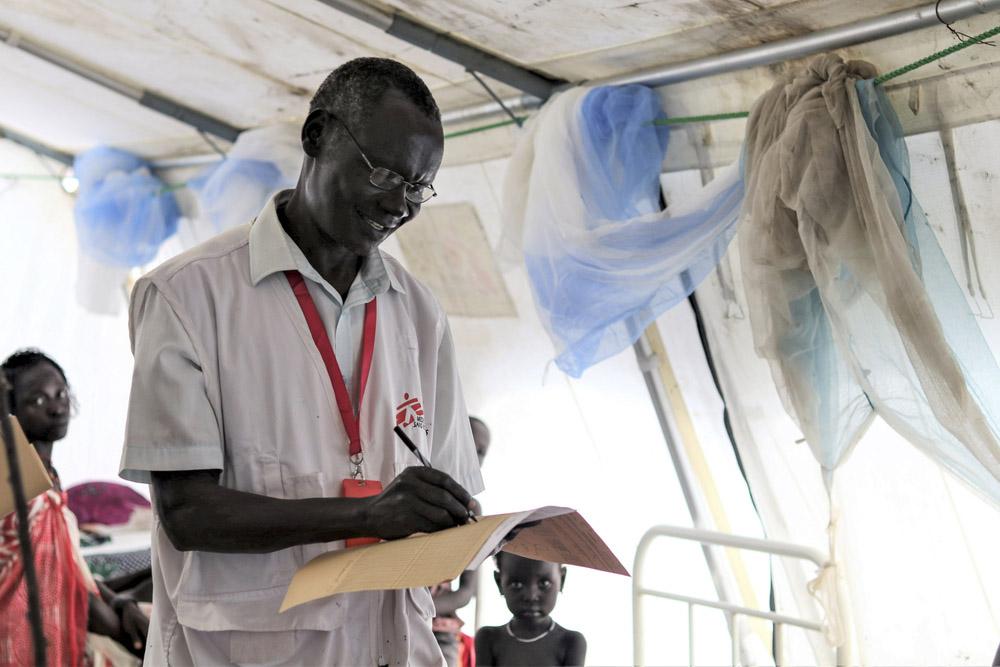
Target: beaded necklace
x,y
510,632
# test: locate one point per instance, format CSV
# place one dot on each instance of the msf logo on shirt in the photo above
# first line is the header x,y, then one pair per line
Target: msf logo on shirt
x,y
411,413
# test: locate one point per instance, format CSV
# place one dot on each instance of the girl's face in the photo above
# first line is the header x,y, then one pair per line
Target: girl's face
x,y
42,403
530,587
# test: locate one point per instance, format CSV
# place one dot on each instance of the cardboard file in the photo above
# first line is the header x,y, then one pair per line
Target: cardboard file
x,y
33,476
561,536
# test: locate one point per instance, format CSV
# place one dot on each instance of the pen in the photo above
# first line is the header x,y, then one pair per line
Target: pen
x,y
405,439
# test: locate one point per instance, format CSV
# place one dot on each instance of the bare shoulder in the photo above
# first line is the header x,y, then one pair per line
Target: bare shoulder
x,y
572,646
489,634
572,638
488,630
486,641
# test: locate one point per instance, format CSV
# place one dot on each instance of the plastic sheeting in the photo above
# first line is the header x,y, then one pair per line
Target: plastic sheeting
x,y
581,199
851,299
123,212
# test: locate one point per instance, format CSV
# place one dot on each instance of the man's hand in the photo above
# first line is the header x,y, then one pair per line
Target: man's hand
x,y
134,625
512,535
419,500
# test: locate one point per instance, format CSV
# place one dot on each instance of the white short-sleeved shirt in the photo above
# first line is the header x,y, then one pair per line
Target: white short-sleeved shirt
x,y
227,377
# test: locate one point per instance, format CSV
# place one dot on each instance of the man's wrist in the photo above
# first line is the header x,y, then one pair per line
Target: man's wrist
x,y
365,517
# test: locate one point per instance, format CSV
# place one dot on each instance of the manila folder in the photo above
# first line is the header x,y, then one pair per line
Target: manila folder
x,y
556,534
34,479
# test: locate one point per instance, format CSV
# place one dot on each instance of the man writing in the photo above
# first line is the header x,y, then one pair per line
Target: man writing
x,y
271,364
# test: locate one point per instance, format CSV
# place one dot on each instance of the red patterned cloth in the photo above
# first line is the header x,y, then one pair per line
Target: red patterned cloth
x,y
107,503
63,589
466,651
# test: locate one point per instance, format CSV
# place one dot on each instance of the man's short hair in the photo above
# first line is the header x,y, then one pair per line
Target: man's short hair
x,y
354,88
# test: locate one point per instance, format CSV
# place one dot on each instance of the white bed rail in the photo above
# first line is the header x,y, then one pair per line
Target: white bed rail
x,y
734,612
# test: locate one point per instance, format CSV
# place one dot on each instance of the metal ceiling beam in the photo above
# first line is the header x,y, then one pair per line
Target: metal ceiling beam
x,y
449,48
486,109
196,119
859,32
37,146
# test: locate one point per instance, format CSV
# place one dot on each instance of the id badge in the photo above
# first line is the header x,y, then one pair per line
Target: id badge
x,y
361,488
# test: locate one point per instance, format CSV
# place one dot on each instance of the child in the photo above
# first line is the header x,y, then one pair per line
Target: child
x,y
456,646
531,637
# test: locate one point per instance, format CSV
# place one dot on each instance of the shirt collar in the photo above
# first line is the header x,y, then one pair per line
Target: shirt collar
x,y
273,251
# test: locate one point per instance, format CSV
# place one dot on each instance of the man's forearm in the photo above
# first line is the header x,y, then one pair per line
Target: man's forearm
x,y
198,514
101,618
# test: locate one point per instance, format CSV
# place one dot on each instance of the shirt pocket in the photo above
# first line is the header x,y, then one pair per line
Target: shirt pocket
x,y
261,648
249,468
220,574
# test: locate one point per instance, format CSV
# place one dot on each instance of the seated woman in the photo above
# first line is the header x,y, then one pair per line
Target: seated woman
x,y
73,604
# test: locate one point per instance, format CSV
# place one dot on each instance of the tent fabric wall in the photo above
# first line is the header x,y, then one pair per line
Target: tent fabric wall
x,y
38,305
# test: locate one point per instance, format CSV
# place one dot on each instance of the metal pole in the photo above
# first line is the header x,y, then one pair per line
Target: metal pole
x,y
769,616
478,620
638,652
741,542
735,625
866,30
23,533
196,119
37,146
843,656
450,48
779,645
690,634
487,109
647,361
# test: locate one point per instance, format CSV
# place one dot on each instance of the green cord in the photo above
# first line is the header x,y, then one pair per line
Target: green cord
x,y
701,119
936,56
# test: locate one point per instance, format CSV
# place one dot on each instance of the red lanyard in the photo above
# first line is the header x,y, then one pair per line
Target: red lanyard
x,y
322,341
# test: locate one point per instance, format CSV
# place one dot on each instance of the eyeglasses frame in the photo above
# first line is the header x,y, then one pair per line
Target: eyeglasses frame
x,y
371,177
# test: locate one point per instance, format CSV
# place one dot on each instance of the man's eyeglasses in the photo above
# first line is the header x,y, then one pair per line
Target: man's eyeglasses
x,y
387,179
